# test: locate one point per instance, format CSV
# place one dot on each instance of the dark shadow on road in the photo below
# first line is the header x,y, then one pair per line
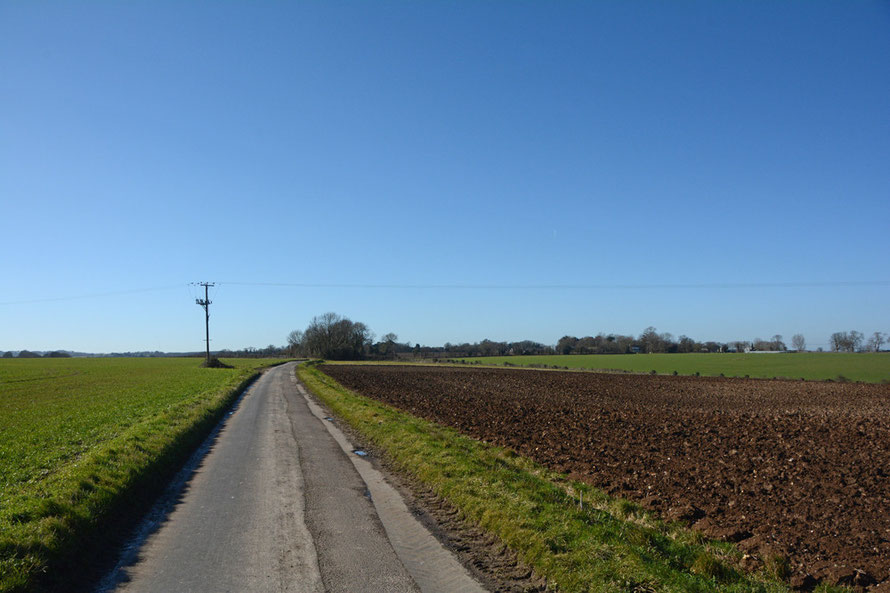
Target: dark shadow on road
x,y
166,503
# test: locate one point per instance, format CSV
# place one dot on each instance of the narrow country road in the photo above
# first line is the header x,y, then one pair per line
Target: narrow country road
x,y
281,503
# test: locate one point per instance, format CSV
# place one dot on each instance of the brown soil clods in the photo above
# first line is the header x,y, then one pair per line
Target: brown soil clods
x,y
794,470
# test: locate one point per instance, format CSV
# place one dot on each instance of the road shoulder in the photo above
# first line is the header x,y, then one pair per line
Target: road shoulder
x,y
476,560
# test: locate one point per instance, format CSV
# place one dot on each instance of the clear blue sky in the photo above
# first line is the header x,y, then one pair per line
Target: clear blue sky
x,y
628,145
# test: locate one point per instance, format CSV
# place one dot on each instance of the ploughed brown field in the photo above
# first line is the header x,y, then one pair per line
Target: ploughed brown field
x,y
791,468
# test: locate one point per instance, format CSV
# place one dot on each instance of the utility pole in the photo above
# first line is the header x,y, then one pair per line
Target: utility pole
x,y
205,302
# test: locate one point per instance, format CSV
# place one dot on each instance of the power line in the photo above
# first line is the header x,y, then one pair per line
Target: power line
x,y
703,285
90,296
456,286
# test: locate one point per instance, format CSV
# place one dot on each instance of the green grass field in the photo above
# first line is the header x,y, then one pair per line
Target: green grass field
x,y
609,545
85,441
869,367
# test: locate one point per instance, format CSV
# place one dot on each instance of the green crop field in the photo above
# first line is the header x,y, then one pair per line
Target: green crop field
x,y
870,367
85,441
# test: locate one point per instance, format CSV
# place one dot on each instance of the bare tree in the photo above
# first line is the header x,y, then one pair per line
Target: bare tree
x,y
839,341
856,341
586,345
778,344
295,342
650,340
876,341
846,341
761,345
492,348
798,342
566,344
334,337
388,343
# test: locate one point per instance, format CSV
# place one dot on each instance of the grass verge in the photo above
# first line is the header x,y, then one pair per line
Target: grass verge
x,y
58,531
606,545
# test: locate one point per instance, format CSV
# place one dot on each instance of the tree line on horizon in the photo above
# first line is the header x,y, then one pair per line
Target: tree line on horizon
x,y
650,341
334,337
29,354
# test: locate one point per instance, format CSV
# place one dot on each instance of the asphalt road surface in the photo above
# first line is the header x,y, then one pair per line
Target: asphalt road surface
x,y
281,503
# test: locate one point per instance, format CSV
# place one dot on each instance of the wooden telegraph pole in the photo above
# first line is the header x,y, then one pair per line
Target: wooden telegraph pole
x,y
205,302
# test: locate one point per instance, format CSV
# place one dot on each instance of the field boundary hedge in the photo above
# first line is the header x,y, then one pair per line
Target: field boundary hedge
x,y
604,545
88,509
